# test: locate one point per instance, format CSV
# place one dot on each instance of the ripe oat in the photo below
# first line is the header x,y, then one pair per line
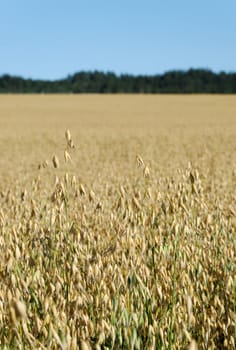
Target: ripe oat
x,y
55,162
99,252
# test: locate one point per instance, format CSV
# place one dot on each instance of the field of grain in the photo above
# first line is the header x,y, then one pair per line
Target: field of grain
x,y
117,222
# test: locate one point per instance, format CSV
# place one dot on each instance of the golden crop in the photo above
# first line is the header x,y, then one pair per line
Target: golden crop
x,y
117,222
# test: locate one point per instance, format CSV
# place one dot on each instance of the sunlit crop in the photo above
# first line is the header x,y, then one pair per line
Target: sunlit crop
x,y
117,229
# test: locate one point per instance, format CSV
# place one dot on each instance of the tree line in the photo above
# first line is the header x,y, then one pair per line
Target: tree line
x,y
191,81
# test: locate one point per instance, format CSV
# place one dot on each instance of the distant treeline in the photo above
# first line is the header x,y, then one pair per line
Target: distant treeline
x,y
191,81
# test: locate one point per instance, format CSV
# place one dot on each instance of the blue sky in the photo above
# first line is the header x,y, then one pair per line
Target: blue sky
x,y
50,39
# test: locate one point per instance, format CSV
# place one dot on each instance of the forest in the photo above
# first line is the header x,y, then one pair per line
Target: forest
x,y
176,81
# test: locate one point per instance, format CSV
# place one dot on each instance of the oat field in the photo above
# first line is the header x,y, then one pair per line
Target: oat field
x,y
117,222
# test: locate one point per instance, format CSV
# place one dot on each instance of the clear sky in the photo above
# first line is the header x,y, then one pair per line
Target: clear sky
x,y
50,39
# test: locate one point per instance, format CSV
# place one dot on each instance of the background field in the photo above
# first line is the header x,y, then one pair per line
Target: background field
x,y
112,249
168,131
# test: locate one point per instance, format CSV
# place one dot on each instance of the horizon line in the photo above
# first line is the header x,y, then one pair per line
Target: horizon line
x,y
178,70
